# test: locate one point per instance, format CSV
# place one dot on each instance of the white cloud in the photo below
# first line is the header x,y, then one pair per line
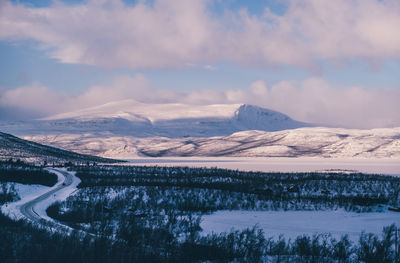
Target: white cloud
x,y
319,102
210,67
36,99
123,87
44,101
313,100
173,33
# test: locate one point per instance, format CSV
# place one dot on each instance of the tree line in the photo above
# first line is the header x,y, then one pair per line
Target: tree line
x,y
310,191
24,243
19,172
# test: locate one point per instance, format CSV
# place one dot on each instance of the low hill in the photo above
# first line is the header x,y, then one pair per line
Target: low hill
x,y
302,142
14,148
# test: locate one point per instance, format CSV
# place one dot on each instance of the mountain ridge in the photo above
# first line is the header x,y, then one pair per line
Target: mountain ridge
x,y
130,118
301,142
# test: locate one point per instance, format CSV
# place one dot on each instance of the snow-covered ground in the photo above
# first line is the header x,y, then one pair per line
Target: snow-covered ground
x,y
26,194
302,142
372,165
294,223
27,191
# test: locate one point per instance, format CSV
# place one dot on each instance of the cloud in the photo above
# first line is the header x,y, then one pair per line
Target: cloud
x,y
173,33
210,67
41,101
313,100
316,101
123,87
35,100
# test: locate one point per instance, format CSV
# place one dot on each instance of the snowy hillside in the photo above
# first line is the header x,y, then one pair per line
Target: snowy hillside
x,y
15,148
131,118
303,142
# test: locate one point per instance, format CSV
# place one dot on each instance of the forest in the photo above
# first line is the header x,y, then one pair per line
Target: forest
x,y
153,214
256,190
24,173
20,172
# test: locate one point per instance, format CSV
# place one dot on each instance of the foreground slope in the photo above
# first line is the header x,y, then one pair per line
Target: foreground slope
x,y
12,147
303,142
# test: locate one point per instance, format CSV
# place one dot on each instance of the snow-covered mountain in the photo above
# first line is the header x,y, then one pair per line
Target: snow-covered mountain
x,y
131,118
127,129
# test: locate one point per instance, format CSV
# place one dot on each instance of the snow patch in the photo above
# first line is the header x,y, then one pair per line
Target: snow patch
x,y
31,192
295,223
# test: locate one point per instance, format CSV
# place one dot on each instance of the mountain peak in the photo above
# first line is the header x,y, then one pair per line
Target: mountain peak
x,y
252,117
247,110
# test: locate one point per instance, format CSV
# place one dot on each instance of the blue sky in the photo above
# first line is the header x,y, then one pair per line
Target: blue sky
x,y
251,48
24,62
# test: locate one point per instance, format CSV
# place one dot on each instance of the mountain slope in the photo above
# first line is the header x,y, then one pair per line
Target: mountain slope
x,y
12,147
303,142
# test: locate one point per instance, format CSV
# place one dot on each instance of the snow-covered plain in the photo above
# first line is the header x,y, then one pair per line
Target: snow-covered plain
x,y
372,165
26,191
295,223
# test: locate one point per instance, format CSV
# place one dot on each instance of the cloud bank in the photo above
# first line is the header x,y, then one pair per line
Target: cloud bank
x,y
312,100
170,34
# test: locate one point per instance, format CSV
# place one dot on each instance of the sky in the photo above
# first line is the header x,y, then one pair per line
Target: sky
x,y
332,63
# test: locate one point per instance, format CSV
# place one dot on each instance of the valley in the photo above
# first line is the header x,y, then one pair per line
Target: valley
x,y
128,129
128,209
229,183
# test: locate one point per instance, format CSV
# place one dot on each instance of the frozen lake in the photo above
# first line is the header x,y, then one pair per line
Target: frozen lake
x,y
294,223
381,166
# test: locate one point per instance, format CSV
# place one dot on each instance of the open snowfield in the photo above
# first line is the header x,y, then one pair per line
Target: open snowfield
x,y
26,191
378,165
295,223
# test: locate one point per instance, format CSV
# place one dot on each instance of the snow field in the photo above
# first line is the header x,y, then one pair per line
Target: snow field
x,y
291,224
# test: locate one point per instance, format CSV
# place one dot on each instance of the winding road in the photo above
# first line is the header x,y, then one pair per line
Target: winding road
x,y
28,208
33,207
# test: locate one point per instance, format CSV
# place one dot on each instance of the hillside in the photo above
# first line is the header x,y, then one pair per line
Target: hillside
x,y
12,147
303,142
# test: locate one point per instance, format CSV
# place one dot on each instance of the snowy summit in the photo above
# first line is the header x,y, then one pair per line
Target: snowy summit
x,y
132,118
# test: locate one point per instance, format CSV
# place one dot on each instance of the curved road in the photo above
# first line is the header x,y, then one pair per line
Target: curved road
x,y
28,209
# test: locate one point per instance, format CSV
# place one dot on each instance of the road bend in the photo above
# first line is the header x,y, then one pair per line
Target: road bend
x,y
30,209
